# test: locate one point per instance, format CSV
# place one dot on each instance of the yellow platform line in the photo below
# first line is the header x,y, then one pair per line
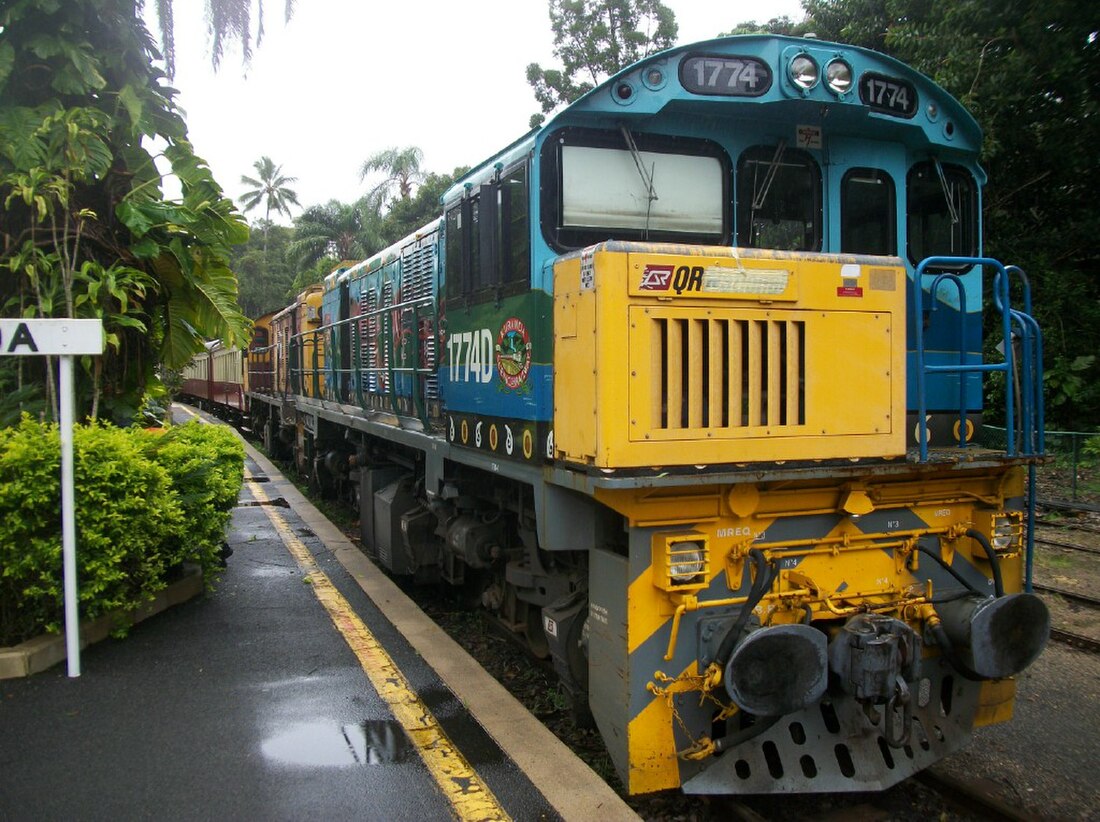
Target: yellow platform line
x,y
469,796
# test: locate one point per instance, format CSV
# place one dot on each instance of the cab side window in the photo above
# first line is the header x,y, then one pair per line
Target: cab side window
x,y
488,240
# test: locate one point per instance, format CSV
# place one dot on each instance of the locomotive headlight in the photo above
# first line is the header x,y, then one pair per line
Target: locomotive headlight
x,y
1004,528
804,72
1007,532
687,561
681,562
838,76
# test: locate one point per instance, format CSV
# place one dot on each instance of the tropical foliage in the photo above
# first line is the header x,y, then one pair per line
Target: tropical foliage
x,y
146,502
345,231
401,168
325,235
85,228
594,39
228,21
263,268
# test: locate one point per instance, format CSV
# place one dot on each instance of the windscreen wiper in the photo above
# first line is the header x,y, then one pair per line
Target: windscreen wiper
x,y
760,195
647,176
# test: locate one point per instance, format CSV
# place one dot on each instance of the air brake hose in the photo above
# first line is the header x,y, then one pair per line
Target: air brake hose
x,y
935,556
952,655
761,584
994,560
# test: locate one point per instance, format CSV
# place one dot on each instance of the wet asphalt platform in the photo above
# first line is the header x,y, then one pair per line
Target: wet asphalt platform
x,y
304,684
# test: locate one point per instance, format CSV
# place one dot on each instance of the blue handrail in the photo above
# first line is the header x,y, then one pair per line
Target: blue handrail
x,y
1031,378
1030,434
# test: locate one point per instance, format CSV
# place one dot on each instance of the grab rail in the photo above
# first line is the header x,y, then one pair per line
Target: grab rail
x,y
1025,388
1026,437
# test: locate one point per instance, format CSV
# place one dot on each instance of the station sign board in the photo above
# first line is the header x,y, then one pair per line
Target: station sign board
x,y
23,338
63,339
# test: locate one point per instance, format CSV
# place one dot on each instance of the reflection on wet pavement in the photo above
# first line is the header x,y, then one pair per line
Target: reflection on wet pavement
x,y
321,744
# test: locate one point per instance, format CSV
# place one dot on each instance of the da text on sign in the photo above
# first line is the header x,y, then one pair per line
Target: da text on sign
x,y
28,338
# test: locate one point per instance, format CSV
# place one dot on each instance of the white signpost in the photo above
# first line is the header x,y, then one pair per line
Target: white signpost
x,y
65,339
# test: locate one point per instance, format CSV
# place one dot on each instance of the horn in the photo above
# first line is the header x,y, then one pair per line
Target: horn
x,y
778,670
1002,636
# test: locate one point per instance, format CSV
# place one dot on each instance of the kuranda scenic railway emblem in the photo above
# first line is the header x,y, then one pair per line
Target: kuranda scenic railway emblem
x,y
513,353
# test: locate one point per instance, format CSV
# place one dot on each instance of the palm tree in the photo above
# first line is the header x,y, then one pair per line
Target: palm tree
x,y
401,167
226,20
335,229
271,189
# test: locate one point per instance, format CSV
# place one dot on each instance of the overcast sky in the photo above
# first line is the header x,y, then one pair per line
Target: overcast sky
x,y
347,78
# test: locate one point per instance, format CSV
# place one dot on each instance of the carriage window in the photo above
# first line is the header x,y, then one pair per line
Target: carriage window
x,y
778,199
868,214
942,206
632,185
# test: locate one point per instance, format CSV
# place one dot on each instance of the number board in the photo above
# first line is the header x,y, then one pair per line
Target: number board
x,y
889,95
724,75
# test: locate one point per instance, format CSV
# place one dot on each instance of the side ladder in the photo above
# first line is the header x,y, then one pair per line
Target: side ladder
x,y
1022,345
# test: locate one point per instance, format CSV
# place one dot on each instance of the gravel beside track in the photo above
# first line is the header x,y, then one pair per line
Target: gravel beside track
x,y
1044,760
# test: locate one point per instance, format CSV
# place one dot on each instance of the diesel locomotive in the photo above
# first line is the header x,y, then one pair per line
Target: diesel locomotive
x,y
683,386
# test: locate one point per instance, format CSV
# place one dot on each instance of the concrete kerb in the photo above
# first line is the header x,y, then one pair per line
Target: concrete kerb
x,y
42,652
570,785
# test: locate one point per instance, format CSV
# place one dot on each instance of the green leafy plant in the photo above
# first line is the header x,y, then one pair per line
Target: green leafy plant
x,y
85,229
206,467
146,502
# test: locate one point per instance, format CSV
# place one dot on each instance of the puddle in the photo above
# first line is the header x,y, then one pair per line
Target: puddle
x,y
278,502
374,742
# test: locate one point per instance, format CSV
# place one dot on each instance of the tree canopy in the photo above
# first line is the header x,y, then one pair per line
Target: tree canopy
x,y
227,22
594,39
270,187
86,230
401,167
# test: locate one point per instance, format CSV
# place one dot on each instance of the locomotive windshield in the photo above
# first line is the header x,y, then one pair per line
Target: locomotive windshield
x,y
626,186
942,211
868,213
778,199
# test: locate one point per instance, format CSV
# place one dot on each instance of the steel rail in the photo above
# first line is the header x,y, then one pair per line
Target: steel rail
x,y
1084,643
1072,596
1069,546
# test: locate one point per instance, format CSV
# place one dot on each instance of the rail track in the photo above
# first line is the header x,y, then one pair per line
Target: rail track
x,y
1069,546
1066,594
1069,505
970,796
1084,527
1085,643
1072,638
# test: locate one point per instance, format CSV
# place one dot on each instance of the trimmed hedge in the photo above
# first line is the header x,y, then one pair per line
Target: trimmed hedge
x,y
145,503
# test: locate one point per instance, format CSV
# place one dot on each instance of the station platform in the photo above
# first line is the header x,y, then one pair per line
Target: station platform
x,y
304,684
